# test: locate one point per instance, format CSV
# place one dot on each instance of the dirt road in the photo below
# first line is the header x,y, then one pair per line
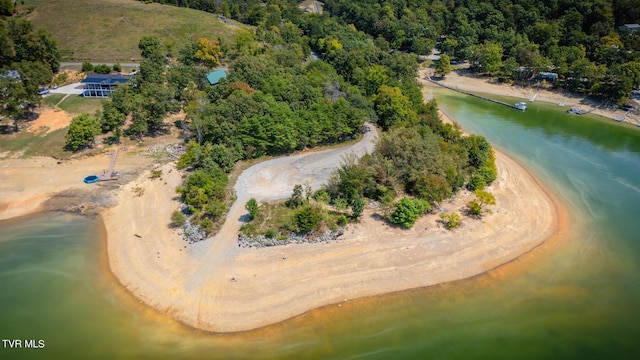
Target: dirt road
x,y
273,180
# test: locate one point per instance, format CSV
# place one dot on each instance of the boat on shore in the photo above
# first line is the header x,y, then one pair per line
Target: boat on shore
x,y
577,111
521,106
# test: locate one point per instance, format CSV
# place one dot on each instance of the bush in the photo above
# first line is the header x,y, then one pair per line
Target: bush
x,y
102,69
321,196
307,219
252,208
87,66
117,67
408,211
357,207
156,174
178,218
452,220
270,233
341,220
296,198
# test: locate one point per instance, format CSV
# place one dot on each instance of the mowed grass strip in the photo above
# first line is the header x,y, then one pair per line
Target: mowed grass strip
x,y
109,30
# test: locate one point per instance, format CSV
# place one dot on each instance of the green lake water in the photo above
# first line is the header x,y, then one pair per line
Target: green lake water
x,y
576,299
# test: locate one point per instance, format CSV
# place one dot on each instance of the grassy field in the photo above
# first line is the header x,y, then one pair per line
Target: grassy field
x,y
74,104
29,144
109,30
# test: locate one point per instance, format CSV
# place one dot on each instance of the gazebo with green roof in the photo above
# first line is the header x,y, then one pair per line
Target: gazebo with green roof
x,y
215,76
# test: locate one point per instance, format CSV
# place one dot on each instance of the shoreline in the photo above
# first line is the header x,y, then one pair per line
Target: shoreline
x,y
481,86
273,285
371,261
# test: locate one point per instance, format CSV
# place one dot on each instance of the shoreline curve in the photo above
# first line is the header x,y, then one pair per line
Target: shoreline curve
x,y
280,283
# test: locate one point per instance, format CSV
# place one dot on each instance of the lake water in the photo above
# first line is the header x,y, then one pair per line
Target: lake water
x,y
577,297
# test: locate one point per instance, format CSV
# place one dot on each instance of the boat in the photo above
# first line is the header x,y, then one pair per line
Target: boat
x,y
91,179
521,106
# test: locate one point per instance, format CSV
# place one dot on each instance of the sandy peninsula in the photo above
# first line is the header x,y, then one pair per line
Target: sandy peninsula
x,y
216,286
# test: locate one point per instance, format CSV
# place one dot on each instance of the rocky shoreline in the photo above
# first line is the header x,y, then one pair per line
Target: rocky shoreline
x,y
261,241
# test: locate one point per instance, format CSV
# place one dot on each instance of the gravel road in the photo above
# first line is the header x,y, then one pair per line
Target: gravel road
x,y
271,180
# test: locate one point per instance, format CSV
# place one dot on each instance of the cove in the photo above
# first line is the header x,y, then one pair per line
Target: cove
x,y
574,300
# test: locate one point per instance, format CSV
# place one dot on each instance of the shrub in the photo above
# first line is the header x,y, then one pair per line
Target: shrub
x,y
296,198
102,69
408,211
87,66
321,196
451,220
178,218
270,233
307,219
117,67
156,174
341,220
357,207
252,208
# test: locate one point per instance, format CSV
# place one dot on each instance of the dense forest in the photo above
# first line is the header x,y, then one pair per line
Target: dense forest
x,y
581,41
295,81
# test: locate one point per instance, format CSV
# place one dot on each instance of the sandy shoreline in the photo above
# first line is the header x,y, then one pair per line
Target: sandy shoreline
x,y
192,284
275,284
478,85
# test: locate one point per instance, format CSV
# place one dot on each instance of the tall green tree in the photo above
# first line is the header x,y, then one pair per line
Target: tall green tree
x,y
392,107
82,130
443,65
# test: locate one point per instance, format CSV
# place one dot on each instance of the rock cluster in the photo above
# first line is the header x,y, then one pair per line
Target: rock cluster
x,y
192,233
261,241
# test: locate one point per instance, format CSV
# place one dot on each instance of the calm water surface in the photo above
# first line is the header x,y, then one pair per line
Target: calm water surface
x,y
576,298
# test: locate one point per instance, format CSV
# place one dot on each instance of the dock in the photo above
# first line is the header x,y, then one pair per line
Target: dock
x,y
110,174
472,94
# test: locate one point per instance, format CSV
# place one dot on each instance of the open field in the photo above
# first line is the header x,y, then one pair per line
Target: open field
x,y
109,30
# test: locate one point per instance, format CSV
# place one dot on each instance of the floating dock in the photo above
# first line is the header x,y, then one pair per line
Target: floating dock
x,y
472,94
110,174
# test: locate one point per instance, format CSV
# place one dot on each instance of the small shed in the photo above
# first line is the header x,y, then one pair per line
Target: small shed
x,y
214,77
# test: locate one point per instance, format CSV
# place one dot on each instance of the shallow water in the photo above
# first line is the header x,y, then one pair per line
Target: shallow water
x,y
575,298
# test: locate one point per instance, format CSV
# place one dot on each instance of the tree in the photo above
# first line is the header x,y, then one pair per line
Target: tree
x,y
478,205
252,208
6,7
151,49
443,65
408,211
12,95
357,207
208,52
82,131
392,107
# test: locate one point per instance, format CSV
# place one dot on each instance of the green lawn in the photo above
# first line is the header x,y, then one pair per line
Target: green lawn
x,y
109,30
30,144
76,105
